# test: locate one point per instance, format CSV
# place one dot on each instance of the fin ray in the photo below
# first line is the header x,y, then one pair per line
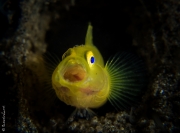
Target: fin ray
x,y
127,78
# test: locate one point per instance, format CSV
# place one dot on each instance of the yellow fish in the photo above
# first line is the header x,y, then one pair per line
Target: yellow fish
x,y
82,80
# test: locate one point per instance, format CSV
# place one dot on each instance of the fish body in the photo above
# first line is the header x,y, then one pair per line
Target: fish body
x,y
82,79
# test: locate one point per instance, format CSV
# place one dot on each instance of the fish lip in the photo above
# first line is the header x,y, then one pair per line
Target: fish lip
x,y
74,71
89,90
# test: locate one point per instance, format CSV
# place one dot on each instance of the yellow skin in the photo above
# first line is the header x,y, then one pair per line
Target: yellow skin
x,y
78,80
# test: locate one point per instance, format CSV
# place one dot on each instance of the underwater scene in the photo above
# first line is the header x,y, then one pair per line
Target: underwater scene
x,y
90,66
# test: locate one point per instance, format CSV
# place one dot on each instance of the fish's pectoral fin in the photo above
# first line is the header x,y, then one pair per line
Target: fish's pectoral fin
x,y
81,113
127,79
89,36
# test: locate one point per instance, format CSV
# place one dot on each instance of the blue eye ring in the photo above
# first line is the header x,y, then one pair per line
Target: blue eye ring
x,y
92,59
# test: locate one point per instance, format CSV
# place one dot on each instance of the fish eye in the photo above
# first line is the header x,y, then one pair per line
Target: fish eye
x,y
90,58
67,53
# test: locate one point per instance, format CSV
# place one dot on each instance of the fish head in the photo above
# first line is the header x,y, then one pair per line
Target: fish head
x,y
80,76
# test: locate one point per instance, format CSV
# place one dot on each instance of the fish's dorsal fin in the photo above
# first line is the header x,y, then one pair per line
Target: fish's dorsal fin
x,y
88,39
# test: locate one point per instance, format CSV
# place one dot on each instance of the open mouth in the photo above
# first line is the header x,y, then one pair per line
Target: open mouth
x,y
74,73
